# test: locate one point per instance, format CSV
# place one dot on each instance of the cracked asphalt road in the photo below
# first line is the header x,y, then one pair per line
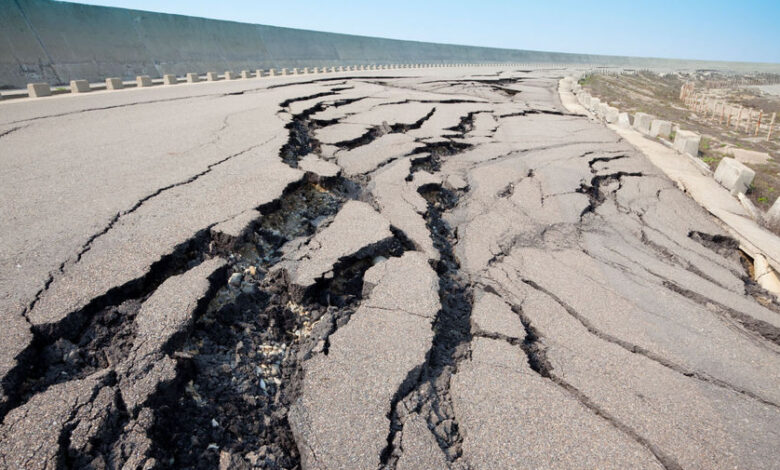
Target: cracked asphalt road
x,y
390,270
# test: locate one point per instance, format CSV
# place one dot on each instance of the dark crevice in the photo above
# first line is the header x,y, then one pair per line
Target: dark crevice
x,y
508,190
725,246
96,335
532,346
433,153
88,244
494,84
376,132
126,105
529,112
668,462
729,249
593,161
441,101
466,124
426,390
66,456
761,328
240,368
329,79
11,130
594,190
538,362
665,254
301,140
636,349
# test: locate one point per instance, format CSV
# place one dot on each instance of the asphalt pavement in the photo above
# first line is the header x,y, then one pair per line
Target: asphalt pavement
x,y
394,269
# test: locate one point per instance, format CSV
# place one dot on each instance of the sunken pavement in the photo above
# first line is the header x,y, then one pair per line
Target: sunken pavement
x,y
428,269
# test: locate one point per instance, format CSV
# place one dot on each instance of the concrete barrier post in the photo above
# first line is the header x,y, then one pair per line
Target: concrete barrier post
x,y
79,86
212,76
341,68
143,81
687,142
660,128
38,90
601,110
284,71
258,73
114,83
734,176
295,71
305,70
193,77
642,122
230,75
170,79
611,115
245,74
271,72
624,120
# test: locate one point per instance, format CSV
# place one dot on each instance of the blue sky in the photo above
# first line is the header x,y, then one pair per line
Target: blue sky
x,y
747,30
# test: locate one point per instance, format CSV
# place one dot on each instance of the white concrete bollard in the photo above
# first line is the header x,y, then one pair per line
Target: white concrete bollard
x,y
271,72
624,120
341,68
212,76
114,84
193,77
258,73
687,142
170,79
305,70
284,72
660,128
612,114
246,74
143,81
230,75
79,86
642,122
734,176
594,103
295,71
38,90
601,110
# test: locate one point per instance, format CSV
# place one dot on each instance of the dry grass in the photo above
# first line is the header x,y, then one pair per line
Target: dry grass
x,y
658,95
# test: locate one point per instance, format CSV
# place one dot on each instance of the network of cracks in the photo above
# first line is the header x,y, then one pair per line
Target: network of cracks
x,y
238,362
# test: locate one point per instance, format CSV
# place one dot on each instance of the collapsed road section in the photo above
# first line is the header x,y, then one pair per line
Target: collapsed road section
x,y
379,272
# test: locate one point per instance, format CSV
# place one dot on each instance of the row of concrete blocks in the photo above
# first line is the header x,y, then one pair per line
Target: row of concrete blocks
x,y
730,173
38,90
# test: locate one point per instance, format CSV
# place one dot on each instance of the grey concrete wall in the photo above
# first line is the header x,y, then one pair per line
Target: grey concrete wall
x,y
42,40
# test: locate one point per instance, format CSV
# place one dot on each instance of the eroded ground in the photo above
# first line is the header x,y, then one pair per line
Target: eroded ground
x,y
659,95
375,272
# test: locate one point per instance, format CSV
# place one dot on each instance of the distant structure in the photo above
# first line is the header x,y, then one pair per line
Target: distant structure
x,y
56,42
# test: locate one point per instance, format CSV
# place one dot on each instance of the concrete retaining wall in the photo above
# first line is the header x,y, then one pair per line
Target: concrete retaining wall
x,y
55,42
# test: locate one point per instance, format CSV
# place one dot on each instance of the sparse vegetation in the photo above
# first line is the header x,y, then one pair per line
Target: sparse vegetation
x,y
658,95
